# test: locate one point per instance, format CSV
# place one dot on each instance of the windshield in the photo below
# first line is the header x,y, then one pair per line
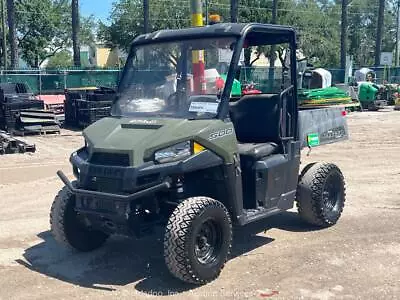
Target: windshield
x,y
182,79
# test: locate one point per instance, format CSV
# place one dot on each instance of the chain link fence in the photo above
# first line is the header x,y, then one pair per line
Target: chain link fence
x,y
54,82
383,74
261,75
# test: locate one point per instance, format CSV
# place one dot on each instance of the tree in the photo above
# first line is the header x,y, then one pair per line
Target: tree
x,y
362,30
379,29
44,28
12,35
317,26
234,10
75,33
146,16
255,11
343,35
127,20
317,22
60,60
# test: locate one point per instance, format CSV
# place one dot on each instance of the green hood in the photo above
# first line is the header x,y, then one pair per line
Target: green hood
x,y
140,137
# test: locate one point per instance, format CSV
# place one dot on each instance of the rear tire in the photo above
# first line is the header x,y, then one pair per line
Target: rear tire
x,y
321,194
198,240
68,229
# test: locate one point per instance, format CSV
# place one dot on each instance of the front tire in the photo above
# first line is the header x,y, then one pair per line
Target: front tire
x,y
68,229
198,240
321,194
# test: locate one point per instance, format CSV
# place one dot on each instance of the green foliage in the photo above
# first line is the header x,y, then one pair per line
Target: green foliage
x,y
44,28
248,14
317,23
127,20
60,60
362,29
318,28
87,31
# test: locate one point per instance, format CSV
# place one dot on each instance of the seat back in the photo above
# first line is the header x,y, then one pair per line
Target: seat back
x,y
256,118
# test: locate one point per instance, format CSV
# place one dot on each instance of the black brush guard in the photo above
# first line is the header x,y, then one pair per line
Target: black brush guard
x,y
156,188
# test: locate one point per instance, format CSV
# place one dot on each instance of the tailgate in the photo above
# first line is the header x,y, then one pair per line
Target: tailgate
x,y
322,126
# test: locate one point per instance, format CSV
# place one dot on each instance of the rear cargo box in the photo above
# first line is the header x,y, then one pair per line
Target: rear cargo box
x,y
322,126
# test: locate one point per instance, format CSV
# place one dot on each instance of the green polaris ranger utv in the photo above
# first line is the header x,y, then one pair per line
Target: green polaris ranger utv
x,y
181,152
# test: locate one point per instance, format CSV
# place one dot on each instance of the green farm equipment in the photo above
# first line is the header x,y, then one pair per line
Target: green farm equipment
x,y
317,90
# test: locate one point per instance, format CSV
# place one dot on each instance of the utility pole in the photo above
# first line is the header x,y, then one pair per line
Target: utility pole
x,y
274,11
198,64
234,11
271,74
206,10
196,8
397,58
12,34
75,33
379,29
146,16
3,26
343,36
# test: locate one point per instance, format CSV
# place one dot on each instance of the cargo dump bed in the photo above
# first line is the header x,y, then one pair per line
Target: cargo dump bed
x,y
322,126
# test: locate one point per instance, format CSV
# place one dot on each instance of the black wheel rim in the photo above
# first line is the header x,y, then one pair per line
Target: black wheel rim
x,y
208,242
331,194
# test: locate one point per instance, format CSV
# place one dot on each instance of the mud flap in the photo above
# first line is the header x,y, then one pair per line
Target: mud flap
x,y
322,126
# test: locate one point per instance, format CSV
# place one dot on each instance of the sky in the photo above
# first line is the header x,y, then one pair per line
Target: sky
x,y
99,8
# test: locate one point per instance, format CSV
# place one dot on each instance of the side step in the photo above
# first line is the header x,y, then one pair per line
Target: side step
x,y
252,215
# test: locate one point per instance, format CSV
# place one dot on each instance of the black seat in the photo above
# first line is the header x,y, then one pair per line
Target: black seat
x,y
257,151
256,119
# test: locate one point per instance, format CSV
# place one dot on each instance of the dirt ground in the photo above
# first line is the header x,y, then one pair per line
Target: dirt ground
x,y
279,258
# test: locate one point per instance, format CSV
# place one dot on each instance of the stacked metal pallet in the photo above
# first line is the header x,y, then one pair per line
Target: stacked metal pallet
x,y
33,121
86,106
13,99
10,145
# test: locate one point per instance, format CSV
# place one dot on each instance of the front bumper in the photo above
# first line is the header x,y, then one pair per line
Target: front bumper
x,y
109,212
111,189
116,197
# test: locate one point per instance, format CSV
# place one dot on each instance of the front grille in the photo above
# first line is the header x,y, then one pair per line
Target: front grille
x,y
147,179
110,159
90,203
106,185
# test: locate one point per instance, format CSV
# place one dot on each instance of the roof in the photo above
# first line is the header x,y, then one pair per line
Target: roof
x,y
221,29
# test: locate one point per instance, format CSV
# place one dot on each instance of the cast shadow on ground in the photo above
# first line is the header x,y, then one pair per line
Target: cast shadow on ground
x,y
123,261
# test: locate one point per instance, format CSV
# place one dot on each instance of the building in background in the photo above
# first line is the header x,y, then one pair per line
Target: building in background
x,y
96,56
101,56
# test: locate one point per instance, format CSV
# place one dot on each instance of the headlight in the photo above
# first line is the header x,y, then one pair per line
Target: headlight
x,y
178,152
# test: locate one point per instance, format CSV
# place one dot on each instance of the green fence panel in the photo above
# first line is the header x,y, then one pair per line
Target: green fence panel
x,y
31,80
55,81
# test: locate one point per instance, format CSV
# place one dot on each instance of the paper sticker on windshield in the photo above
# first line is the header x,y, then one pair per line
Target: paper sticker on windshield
x,y
225,55
203,107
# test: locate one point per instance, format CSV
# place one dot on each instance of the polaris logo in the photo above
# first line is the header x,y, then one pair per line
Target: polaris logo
x,y
143,122
220,134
